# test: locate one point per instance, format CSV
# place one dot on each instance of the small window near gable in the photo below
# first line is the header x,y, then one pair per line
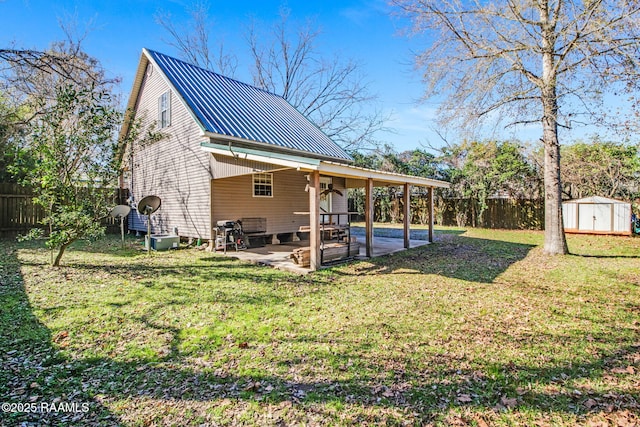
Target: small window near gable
x,y
263,185
164,110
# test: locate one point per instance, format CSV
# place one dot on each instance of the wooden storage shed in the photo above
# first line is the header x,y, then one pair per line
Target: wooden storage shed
x,y
597,215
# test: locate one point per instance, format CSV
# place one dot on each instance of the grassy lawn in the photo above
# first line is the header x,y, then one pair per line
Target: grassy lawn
x,y
477,329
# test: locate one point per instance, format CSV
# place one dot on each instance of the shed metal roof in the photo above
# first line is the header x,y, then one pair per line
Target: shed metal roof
x,y
596,200
227,107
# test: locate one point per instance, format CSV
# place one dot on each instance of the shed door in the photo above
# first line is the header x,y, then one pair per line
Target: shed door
x,y
594,217
622,215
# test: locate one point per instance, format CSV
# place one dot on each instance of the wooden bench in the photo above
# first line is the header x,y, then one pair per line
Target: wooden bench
x,y
255,229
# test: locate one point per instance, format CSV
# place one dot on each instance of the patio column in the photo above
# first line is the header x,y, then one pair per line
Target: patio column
x,y
406,199
430,201
314,220
368,217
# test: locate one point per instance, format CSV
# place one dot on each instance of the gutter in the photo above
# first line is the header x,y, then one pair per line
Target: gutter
x,y
286,160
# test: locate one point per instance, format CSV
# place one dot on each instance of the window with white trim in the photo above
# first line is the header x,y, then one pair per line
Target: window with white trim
x,y
262,185
164,110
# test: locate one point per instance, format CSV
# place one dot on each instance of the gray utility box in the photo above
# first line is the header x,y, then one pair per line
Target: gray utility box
x,y
161,242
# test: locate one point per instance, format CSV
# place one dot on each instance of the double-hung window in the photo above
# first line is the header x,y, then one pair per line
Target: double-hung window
x,y
263,185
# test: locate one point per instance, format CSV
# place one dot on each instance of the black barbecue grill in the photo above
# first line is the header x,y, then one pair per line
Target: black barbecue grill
x,y
229,233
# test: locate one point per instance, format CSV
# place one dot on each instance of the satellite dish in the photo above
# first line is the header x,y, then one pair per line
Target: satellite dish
x,y
120,211
149,205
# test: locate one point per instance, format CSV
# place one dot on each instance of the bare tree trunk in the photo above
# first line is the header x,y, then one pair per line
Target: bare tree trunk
x,y
555,242
56,262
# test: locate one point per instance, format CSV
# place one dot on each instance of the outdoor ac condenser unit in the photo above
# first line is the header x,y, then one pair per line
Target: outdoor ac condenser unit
x,y
161,242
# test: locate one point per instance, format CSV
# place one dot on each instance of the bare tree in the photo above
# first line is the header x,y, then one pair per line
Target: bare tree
x,y
525,61
29,77
332,93
192,40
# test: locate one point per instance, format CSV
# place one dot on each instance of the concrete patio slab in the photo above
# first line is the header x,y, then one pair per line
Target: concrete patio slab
x,y
279,256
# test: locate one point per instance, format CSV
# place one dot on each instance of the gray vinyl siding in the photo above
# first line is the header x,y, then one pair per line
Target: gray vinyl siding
x,y
232,198
174,168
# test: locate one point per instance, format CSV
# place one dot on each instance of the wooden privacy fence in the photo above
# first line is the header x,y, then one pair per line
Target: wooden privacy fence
x,y
19,214
514,214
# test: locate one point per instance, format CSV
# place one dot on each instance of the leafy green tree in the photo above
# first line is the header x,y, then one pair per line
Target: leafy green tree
x,y
372,160
10,139
74,151
418,162
601,168
387,199
29,80
67,138
482,169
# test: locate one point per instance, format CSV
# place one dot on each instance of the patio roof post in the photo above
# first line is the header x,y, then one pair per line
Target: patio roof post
x,y
430,201
314,220
368,217
406,199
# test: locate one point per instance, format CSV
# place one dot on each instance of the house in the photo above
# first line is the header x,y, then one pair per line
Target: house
x,y
213,148
597,215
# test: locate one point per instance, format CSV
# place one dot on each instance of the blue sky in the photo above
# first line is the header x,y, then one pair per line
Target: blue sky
x,y
359,29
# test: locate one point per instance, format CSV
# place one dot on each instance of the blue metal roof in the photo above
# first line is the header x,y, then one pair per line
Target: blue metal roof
x,y
228,107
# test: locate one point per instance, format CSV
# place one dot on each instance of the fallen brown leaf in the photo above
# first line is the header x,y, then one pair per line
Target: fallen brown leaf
x,y
509,402
620,370
60,336
388,393
590,403
464,398
252,386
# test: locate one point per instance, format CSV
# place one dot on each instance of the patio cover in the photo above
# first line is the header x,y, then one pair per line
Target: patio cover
x,y
355,177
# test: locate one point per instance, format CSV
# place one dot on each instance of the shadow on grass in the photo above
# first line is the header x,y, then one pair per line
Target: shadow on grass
x,y
452,255
112,245
423,393
33,371
604,256
398,232
603,246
